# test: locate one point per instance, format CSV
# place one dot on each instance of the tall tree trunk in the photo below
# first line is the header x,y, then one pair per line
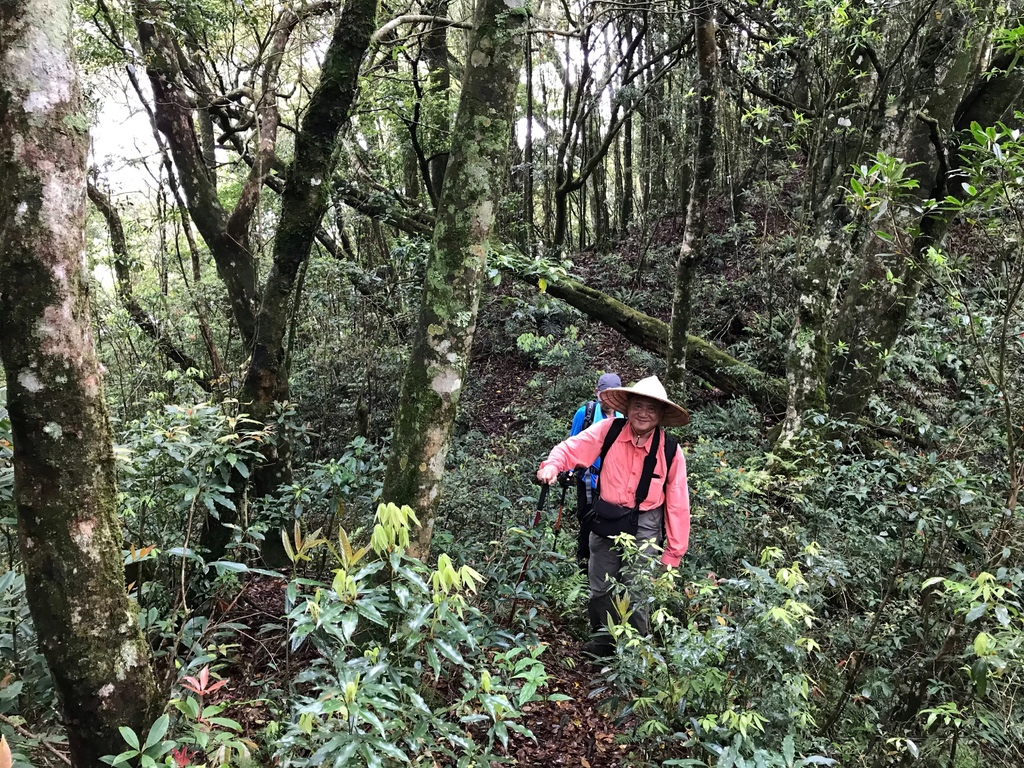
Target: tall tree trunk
x,y
692,247
458,257
826,248
528,207
65,492
626,204
303,205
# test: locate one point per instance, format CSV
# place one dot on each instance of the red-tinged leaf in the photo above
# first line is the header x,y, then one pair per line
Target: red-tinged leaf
x,y
191,684
216,686
204,677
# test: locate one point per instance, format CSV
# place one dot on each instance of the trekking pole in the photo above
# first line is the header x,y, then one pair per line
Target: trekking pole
x,y
544,489
565,479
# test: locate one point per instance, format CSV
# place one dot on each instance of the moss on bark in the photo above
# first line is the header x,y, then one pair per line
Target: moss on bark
x,y
703,360
65,491
451,291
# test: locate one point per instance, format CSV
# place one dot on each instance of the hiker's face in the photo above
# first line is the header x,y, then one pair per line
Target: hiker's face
x,y
644,414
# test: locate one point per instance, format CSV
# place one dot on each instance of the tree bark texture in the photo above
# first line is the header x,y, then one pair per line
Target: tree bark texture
x,y
826,251
876,308
303,205
458,257
691,248
65,492
226,234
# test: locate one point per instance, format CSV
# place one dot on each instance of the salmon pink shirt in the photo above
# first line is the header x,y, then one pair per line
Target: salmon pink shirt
x,y
620,475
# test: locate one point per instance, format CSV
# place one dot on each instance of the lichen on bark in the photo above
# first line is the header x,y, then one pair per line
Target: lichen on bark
x,y
65,491
458,256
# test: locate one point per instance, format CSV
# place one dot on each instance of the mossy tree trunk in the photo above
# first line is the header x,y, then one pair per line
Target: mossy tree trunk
x,y
303,205
65,492
882,294
704,361
458,256
825,252
692,247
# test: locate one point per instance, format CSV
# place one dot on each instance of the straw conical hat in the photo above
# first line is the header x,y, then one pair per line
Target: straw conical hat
x,y
617,398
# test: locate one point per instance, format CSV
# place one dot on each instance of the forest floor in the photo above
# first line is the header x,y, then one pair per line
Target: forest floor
x,y
574,732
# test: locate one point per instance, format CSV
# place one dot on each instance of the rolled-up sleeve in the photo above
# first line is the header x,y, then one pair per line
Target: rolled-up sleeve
x,y
677,512
581,450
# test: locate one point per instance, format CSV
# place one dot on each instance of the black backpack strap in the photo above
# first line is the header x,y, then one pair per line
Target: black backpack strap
x,y
647,473
588,416
613,432
650,461
671,445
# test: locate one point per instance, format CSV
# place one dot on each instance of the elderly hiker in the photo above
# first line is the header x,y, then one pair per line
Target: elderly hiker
x,y
641,490
586,483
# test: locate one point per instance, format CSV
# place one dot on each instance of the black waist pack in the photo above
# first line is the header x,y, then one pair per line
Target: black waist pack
x,y
611,519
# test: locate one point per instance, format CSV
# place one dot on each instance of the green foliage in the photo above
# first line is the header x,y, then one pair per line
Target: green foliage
x,y
407,666
180,465
730,671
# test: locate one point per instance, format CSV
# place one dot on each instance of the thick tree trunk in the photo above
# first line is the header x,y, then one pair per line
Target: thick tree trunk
x,y
451,291
692,247
225,234
65,490
826,250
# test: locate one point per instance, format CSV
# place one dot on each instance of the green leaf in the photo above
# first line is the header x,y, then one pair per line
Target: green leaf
x,y
345,754
501,732
526,693
349,622
976,612
450,652
129,736
788,749
157,731
391,750
226,722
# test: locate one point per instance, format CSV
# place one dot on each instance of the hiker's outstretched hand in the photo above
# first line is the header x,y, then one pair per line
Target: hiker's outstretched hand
x,y
547,475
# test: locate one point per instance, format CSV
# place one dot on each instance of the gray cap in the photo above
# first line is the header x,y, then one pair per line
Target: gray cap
x,y
607,381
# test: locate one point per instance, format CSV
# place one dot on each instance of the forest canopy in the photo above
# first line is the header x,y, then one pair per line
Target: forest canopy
x,y
296,296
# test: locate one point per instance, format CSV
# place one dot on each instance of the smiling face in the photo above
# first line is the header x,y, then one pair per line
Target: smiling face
x,y
644,414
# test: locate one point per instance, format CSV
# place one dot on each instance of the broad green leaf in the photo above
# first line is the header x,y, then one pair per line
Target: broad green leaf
x,y
129,736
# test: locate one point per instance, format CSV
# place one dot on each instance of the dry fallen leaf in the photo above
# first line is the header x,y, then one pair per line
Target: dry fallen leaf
x,y
584,762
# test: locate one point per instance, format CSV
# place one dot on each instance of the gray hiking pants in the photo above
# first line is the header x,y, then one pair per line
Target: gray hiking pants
x,y
606,564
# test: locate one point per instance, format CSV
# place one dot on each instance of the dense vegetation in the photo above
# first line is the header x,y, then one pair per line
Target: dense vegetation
x,y
806,215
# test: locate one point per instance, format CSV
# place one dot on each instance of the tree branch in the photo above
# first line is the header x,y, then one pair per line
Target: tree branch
x,y
145,322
